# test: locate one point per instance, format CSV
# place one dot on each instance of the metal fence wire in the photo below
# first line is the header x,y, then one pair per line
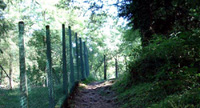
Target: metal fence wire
x,y
54,79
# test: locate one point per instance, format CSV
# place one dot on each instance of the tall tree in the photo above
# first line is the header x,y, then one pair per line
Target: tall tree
x,y
158,16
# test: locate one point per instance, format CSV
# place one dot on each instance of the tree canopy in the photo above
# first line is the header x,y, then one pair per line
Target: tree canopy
x,y
160,16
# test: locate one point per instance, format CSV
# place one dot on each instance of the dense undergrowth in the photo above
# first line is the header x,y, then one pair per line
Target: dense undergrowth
x,y
165,75
88,80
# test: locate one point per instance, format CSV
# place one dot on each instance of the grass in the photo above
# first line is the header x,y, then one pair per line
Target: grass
x,y
148,95
187,99
9,98
136,96
37,96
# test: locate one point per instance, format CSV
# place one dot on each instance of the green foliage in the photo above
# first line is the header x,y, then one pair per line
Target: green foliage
x,y
136,96
160,16
164,72
12,94
90,24
35,94
2,5
188,99
168,67
89,80
5,26
166,58
36,72
149,95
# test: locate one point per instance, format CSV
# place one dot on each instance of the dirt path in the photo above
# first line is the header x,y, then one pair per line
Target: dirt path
x,y
94,95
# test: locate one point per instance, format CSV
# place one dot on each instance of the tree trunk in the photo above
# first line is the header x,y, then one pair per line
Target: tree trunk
x,y
116,68
10,71
105,74
101,62
1,76
126,63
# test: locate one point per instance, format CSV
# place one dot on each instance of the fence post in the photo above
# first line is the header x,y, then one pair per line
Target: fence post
x,y
77,59
71,58
23,80
88,67
49,68
116,68
86,60
65,76
105,66
81,56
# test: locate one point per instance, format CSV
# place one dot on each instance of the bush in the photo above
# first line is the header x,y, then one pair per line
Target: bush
x,y
166,74
89,80
173,62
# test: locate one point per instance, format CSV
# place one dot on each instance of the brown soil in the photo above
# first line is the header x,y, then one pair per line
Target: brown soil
x,y
94,95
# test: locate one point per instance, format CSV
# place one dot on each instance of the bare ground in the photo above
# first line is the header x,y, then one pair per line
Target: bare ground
x,y
94,95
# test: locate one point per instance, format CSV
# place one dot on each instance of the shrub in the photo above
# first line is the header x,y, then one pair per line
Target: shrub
x,y
174,62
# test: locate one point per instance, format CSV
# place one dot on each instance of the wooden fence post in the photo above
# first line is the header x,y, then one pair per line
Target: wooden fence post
x,y
77,58
23,79
81,56
65,75
86,59
71,58
88,67
49,68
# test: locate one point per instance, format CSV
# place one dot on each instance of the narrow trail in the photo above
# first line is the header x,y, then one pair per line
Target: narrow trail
x,y
94,95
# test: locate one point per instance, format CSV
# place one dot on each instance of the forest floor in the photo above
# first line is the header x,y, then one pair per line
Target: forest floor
x,y
94,95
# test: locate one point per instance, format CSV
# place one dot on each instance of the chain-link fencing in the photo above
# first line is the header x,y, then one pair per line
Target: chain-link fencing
x,y
60,64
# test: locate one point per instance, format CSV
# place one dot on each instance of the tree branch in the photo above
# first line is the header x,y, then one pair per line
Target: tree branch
x,y
4,71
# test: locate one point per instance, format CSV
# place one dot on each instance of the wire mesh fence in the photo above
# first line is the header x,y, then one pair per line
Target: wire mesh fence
x,y
43,85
